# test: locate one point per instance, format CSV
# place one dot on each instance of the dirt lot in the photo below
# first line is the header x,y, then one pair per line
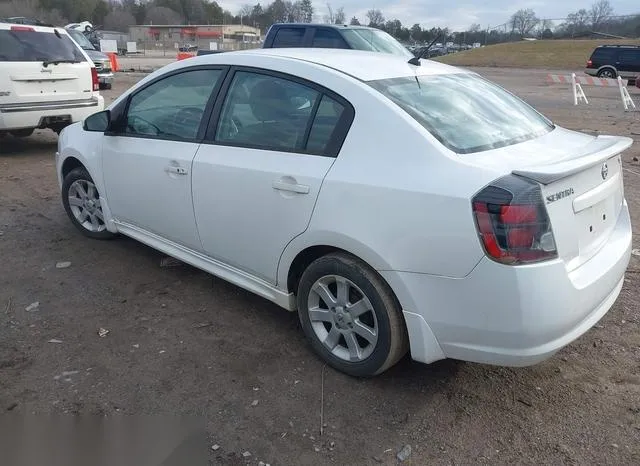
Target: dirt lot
x,y
182,342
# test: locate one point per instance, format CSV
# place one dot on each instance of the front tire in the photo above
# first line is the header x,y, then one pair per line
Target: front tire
x,y
82,203
350,316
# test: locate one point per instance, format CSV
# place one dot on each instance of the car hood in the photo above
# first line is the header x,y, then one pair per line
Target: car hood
x,y
96,55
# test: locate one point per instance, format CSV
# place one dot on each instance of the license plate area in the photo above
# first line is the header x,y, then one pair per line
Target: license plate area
x,y
595,224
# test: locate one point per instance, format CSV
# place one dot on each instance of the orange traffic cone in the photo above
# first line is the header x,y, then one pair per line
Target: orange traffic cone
x,y
114,61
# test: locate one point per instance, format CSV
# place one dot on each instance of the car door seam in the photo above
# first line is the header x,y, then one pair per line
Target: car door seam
x,y
315,203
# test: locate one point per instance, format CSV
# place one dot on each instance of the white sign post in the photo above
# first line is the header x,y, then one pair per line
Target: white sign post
x,y
213,46
108,46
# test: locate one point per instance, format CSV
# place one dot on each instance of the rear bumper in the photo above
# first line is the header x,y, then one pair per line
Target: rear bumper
x,y
31,115
512,316
105,78
591,71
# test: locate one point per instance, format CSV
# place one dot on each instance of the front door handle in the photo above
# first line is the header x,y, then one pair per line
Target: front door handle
x,y
292,187
176,170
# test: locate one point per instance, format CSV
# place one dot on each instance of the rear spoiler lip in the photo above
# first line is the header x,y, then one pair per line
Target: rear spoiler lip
x,y
598,151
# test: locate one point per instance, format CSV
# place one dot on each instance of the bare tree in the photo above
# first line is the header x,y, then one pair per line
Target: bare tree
x,y
245,10
119,20
375,17
523,21
162,15
599,13
339,17
328,18
475,27
543,25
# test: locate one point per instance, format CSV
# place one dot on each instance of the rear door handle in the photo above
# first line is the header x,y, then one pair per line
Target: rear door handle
x,y
176,170
292,187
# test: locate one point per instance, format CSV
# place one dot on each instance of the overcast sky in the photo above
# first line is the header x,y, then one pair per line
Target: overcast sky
x,y
455,14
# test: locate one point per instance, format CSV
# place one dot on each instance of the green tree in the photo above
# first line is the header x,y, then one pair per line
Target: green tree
x,y
306,10
354,21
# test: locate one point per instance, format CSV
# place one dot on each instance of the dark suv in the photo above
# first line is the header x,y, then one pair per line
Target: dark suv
x,y
335,36
611,61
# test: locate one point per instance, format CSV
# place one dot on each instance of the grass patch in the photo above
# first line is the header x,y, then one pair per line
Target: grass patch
x,y
549,54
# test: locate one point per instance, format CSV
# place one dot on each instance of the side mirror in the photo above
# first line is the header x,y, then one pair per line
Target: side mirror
x,y
98,122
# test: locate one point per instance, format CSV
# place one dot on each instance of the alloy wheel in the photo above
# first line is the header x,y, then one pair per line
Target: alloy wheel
x,y
343,318
84,202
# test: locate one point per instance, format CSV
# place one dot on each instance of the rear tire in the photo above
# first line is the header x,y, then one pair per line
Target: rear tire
x,y
608,73
350,316
81,201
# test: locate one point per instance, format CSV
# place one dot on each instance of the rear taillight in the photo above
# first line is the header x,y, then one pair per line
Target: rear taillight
x,y
513,223
589,63
94,79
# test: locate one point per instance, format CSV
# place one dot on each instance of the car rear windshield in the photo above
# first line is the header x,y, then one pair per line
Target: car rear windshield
x,y
26,45
374,41
465,112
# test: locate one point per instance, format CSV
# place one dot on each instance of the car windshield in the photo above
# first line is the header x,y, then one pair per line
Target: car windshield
x,y
465,112
25,45
81,39
375,41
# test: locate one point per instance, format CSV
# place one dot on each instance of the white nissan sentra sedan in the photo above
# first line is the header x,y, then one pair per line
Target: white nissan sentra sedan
x,y
396,206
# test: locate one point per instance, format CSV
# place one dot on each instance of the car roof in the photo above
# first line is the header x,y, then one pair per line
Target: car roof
x,y
618,46
362,65
324,25
37,28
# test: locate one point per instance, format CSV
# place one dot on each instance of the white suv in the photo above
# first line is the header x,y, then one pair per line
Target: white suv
x,y
46,80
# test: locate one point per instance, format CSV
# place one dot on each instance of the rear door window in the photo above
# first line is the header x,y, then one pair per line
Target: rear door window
x,y
328,39
27,45
289,37
604,56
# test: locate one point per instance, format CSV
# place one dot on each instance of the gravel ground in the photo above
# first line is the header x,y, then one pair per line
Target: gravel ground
x,y
182,342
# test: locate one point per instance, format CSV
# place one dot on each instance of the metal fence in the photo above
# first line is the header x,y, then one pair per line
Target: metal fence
x,y
152,48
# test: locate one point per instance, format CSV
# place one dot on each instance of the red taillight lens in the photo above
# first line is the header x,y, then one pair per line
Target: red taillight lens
x,y
589,64
512,222
94,79
22,28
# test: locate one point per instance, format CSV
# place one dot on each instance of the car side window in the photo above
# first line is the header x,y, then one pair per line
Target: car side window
x,y
266,112
630,57
173,107
288,37
325,123
329,39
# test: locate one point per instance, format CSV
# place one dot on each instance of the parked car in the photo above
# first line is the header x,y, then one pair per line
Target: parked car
x,y
100,60
336,36
188,48
84,26
611,61
396,207
46,80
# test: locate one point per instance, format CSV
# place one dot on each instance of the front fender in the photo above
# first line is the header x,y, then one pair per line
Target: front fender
x,y
85,147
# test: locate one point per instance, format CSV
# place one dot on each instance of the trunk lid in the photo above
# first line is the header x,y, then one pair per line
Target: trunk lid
x,y
41,65
581,181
